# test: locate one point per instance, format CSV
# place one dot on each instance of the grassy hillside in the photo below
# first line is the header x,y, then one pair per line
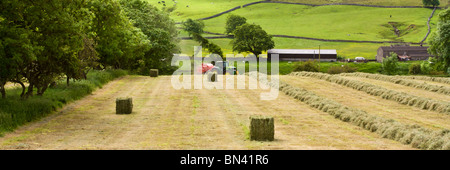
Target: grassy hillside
x,y
369,2
348,50
198,8
325,22
334,22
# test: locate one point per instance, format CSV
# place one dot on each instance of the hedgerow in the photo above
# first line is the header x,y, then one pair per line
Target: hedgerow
x,y
401,81
400,97
425,78
413,135
15,111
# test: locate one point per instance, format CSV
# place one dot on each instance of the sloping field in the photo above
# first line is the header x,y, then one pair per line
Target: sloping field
x,y
165,118
334,22
198,8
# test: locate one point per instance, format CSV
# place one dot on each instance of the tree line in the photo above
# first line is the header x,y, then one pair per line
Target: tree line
x,y
42,41
246,37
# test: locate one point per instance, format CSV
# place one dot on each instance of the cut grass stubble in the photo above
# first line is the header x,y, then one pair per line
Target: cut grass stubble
x,y
415,135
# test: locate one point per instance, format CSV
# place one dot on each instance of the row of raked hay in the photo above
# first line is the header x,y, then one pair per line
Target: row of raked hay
x,y
402,81
400,97
415,135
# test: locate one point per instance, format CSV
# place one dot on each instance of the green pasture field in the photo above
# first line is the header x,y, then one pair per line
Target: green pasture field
x,y
334,22
347,50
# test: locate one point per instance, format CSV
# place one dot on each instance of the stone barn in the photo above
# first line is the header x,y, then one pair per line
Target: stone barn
x,y
404,53
303,54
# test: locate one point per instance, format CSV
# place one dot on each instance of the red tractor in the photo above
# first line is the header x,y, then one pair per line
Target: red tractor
x,y
219,66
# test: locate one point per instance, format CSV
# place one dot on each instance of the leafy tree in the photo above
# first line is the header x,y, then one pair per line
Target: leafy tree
x,y
390,64
119,43
440,40
16,50
211,47
193,26
251,38
54,27
160,30
194,29
431,2
234,21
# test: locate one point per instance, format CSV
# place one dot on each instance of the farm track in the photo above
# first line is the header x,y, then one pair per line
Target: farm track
x,y
402,88
371,104
165,118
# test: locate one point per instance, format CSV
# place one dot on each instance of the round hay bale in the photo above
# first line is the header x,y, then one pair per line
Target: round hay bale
x,y
124,105
262,128
153,72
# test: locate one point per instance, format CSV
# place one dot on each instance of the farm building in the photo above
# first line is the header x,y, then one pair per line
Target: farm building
x,y
303,55
404,52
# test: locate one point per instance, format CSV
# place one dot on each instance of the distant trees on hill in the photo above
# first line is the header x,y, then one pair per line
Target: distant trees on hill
x,y
431,2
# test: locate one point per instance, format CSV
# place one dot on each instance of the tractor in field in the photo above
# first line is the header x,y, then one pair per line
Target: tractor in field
x,y
218,67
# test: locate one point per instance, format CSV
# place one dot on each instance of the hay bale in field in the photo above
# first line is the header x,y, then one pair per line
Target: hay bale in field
x,y
212,77
124,105
262,128
153,72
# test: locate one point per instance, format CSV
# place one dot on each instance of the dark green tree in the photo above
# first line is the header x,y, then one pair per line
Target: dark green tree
x,y
431,3
160,30
234,21
440,40
56,27
118,43
390,64
251,38
193,26
16,50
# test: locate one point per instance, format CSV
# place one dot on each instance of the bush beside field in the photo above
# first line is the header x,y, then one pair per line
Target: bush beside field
x,y
15,111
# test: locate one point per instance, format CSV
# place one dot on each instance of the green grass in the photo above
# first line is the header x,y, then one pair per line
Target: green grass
x,y
15,111
333,22
347,50
199,8
368,2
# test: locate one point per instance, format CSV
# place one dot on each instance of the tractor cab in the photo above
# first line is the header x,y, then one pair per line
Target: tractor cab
x,y
224,68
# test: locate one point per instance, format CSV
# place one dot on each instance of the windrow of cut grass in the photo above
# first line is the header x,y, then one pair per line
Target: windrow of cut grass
x,y
15,111
403,98
401,81
426,78
414,135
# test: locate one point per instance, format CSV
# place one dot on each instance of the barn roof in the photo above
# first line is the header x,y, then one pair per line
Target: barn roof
x,y
404,48
412,51
300,51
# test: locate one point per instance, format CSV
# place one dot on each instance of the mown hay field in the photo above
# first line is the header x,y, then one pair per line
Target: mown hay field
x,y
309,113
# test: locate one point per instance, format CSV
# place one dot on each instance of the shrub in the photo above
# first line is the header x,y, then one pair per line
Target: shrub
x,y
437,73
310,66
341,69
390,64
414,69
